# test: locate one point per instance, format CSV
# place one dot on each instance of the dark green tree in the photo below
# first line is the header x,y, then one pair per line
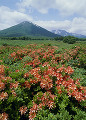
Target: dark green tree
x,y
69,39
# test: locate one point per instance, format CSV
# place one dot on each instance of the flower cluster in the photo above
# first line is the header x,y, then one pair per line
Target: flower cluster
x,y
46,83
2,85
3,95
27,84
70,85
23,110
3,82
70,54
41,73
4,116
36,77
46,99
14,85
19,54
33,111
2,69
13,93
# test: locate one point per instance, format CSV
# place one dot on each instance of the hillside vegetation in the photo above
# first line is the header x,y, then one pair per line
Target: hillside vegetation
x,y
42,80
26,29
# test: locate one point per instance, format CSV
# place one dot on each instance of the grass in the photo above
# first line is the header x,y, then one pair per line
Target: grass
x,y
60,44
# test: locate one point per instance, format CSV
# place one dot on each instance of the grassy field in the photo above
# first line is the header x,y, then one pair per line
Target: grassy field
x,y
60,44
42,80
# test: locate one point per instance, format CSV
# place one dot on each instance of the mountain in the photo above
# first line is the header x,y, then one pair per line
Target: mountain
x,y
60,32
26,29
65,33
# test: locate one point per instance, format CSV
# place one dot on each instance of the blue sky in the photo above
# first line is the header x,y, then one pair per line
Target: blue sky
x,y
69,15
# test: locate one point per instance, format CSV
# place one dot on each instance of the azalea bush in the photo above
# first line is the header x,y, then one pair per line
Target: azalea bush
x,y
38,83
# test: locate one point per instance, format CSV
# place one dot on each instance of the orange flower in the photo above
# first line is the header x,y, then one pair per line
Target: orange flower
x,y
3,95
27,84
3,116
2,69
13,54
23,110
33,110
69,70
50,104
59,89
14,93
2,85
14,85
26,75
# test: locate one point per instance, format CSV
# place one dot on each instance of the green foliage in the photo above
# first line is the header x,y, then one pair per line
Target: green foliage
x,y
5,44
63,115
69,39
81,115
59,38
22,80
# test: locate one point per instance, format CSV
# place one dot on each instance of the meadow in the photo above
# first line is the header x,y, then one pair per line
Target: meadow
x,y
42,80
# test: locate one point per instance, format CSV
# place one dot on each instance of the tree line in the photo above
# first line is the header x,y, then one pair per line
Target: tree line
x,y
69,39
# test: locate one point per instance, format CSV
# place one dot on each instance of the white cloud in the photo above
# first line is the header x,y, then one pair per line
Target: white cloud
x,y
77,25
65,7
50,25
9,18
41,5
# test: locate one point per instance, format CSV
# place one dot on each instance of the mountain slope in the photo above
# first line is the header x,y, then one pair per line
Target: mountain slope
x,y
60,32
25,29
65,33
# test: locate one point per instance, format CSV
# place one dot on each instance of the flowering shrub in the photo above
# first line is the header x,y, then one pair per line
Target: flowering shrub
x,y
3,116
39,84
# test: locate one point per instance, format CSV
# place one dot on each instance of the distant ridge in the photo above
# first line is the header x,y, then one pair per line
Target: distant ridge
x,y
65,33
26,29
